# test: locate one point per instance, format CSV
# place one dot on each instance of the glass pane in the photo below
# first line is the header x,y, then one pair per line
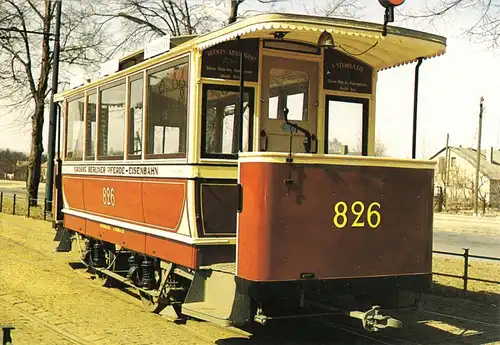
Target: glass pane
x,y
135,117
91,126
167,114
112,121
221,129
273,107
289,89
75,128
345,127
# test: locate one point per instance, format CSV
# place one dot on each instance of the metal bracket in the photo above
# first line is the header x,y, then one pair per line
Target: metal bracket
x,y
373,321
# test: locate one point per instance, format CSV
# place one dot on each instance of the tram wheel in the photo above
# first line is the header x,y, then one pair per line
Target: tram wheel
x,y
101,278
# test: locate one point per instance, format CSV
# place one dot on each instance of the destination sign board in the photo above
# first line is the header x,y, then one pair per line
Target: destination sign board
x,y
222,61
127,170
345,73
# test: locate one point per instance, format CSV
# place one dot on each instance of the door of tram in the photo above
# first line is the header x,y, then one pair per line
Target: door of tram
x,y
292,84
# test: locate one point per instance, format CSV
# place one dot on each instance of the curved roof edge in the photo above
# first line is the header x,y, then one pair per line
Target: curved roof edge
x,y
435,45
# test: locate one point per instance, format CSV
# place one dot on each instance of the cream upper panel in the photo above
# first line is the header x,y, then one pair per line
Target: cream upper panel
x,y
303,158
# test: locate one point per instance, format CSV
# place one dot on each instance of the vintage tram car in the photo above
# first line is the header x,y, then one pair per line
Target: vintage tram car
x,y
236,212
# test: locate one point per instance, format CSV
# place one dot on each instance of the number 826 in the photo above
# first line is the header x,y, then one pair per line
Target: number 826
x,y
373,217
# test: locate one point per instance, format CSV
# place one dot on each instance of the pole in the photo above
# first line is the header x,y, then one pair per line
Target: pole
x,y
478,163
242,90
53,111
415,106
446,171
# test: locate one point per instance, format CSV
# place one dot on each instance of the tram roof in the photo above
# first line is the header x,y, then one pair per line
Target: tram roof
x,y
401,46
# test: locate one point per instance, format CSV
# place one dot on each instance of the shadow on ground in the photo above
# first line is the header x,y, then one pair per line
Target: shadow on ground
x,y
487,297
420,327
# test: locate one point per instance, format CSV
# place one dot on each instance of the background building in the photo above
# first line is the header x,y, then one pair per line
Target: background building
x,y
456,172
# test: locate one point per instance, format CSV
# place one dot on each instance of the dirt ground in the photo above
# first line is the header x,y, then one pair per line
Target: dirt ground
x,y
50,302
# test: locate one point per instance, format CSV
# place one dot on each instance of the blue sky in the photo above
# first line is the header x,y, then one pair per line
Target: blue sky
x,y
450,89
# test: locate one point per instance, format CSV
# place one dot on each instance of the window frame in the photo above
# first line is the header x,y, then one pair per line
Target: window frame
x,y
130,79
165,66
66,125
88,93
365,102
230,88
120,81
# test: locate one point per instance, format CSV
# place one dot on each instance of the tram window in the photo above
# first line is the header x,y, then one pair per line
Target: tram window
x,y
346,127
91,125
167,111
221,109
135,119
74,129
112,122
289,88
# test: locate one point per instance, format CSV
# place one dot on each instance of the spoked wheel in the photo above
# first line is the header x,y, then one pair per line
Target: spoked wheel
x,y
154,304
102,279
109,263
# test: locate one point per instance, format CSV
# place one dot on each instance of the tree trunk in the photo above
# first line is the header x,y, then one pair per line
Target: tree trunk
x,y
234,11
35,158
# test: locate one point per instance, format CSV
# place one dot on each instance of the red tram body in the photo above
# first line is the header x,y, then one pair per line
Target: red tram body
x,y
235,217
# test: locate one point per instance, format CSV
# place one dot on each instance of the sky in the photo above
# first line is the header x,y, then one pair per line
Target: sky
x,y
450,88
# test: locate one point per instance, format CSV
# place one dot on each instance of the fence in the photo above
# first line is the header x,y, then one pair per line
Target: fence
x,y
22,206
465,277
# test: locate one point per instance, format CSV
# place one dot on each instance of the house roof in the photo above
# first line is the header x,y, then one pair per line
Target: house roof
x,y
490,170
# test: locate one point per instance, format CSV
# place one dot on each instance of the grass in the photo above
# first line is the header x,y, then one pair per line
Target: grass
x,y
453,287
21,209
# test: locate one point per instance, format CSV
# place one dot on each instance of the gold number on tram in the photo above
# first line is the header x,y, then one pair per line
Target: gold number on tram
x,y
340,214
357,208
108,196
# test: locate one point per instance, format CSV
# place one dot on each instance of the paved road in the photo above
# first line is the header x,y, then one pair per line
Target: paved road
x,y
480,235
15,187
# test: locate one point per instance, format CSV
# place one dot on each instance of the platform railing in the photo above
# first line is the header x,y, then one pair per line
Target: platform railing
x,y
465,277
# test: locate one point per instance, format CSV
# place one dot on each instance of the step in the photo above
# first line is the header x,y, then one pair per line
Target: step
x,y
206,311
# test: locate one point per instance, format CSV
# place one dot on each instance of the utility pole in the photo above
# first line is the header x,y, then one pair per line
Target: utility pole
x,y
478,163
53,111
446,170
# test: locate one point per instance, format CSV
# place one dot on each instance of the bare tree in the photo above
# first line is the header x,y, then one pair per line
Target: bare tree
x,y
26,59
337,8
484,27
235,5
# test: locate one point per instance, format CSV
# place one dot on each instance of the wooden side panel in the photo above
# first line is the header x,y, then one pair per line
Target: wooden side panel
x,y
218,203
73,192
286,233
126,198
106,232
135,241
147,202
75,223
180,253
163,203
170,250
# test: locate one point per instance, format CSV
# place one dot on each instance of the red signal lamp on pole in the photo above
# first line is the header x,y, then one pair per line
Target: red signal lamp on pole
x,y
389,11
391,3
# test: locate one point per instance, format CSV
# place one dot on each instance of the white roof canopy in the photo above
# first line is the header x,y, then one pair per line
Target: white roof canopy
x,y
400,46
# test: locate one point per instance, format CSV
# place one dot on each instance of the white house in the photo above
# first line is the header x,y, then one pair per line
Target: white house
x,y
457,173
